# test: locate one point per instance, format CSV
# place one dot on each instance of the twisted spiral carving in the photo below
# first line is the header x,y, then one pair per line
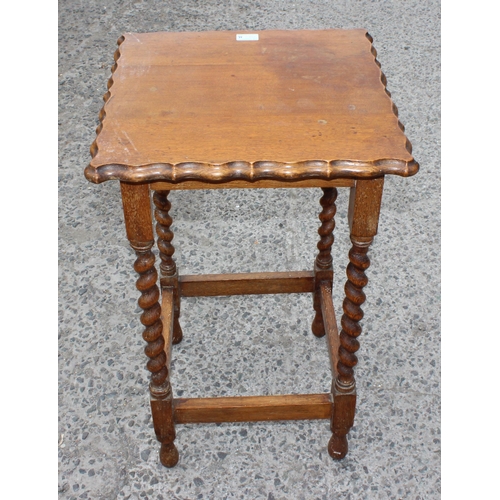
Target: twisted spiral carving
x,y
151,319
351,329
324,257
327,201
165,235
168,267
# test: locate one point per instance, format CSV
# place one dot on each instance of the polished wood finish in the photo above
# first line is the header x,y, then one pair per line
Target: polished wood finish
x,y
168,268
138,223
140,234
292,106
252,408
323,269
167,319
162,407
364,209
211,285
344,387
365,200
330,326
351,329
165,235
137,214
344,408
163,423
203,111
150,318
327,201
262,184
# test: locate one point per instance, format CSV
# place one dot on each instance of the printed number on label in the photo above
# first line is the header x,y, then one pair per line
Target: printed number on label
x,y
246,38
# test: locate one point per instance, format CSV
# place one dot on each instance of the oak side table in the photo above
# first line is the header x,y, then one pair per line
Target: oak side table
x,y
268,109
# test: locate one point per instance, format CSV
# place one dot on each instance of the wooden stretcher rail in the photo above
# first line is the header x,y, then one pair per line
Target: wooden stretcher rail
x,y
252,408
167,318
211,285
330,323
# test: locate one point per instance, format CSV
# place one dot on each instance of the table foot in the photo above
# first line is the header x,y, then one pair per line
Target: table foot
x,y
177,337
317,326
169,455
337,447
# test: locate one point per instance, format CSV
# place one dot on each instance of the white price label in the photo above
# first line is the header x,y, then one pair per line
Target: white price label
x,y
247,38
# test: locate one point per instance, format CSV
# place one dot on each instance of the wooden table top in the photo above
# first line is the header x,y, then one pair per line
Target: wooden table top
x,y
205,106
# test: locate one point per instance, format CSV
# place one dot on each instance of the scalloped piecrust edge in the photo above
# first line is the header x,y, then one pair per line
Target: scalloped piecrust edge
x,y
106,96
247,171
383,79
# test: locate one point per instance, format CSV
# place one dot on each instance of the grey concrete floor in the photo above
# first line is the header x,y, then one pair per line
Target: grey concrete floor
x,y
256,344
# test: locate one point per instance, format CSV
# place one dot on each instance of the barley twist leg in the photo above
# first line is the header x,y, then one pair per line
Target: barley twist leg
x,y
168,268
344,389
138,222
323,270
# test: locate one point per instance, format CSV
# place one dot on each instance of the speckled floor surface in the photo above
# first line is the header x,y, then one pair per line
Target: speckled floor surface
x,y
255,344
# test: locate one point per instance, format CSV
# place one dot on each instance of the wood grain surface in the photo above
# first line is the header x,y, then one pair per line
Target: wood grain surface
x,y
212,285
252,408
167,318
291,106
330,325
